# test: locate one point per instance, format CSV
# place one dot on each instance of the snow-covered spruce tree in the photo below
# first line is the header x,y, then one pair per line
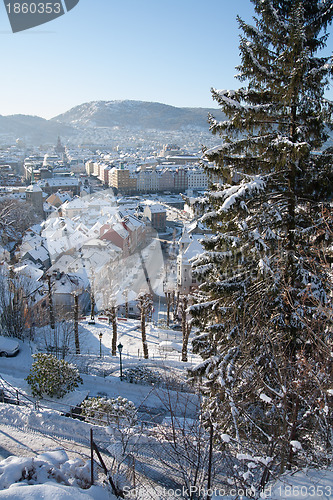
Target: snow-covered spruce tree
x,y
265,293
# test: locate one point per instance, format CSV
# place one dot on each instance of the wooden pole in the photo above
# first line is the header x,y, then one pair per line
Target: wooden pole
x,y
91,457
116,491
210,460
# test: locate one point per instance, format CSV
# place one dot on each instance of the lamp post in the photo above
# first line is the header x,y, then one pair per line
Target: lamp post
x,y
120,349
100,344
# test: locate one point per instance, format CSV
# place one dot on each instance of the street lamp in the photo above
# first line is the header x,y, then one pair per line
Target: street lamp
x,y
100,344
120,349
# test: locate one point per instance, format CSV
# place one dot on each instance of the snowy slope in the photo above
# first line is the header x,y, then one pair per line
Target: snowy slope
x,y
135,114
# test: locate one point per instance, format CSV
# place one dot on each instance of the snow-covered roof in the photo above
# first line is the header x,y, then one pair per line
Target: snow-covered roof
x,y
34,188
95,242
36,228
75,203
119,229
195,248
60,181
133,222
30,270
39,253
30,240
157,208
185,238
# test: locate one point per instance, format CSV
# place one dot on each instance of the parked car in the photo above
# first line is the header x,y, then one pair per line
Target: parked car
x,y
176,326
8,346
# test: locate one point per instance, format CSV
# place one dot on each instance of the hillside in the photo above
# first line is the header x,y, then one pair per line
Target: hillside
x,y
33,128
135,114
95,121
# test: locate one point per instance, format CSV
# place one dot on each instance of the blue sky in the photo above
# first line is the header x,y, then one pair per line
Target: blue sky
x,y
170,51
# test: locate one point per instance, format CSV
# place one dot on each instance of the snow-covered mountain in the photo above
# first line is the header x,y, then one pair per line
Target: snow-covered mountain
x,y
136,115
33,128
94,121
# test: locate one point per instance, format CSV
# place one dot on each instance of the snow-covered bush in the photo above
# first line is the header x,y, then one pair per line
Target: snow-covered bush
x,y
142,375
107,411
52,377
54,466
145,376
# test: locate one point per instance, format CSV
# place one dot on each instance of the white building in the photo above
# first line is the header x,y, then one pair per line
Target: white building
x,y
197,179
188,249
147,180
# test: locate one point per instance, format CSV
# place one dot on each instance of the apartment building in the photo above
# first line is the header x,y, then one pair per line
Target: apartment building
x,y
123,180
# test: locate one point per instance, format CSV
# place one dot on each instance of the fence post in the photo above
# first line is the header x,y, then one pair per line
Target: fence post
x,y
210,460
115,490
91,457
134,481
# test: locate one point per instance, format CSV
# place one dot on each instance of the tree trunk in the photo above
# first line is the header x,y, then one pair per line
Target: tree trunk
x,y
186,329
168,302
126,305
76,324
92,302
51,311
114,331
143,333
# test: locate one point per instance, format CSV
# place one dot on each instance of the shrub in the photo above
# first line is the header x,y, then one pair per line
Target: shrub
x,y
113,410
52,377
142,375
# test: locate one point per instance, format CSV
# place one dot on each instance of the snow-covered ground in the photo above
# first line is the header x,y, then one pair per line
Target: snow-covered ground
x,y
46,454
40,426
129,335
100,371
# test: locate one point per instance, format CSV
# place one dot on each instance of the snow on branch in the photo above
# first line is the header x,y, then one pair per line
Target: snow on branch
x,y
234,193
247,47
228,98
284,142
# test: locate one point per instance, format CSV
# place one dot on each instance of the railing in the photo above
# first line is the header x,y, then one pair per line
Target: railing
x,y
95,432
101,419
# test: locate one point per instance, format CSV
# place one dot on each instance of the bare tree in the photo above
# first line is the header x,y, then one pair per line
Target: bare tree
x,y
58,341
167,294
176,303
76,323
125,295
92,298
50,302
15,292
145,304
110,309
186,325
185,448
15,218
110,306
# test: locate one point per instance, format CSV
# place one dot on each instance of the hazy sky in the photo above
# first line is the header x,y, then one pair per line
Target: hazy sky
x,y
170,51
